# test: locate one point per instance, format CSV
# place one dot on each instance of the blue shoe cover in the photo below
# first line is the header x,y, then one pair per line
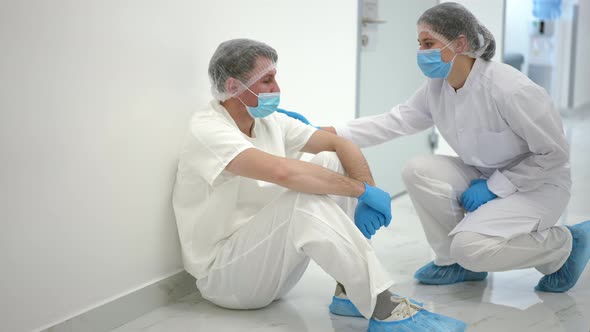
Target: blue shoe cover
x,y
567,276
423,321
344,307
445,275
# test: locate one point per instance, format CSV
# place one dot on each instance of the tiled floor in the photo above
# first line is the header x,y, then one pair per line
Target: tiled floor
x,y
504,302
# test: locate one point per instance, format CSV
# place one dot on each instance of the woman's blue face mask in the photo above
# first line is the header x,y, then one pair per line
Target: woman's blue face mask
x,y
431,64
267,104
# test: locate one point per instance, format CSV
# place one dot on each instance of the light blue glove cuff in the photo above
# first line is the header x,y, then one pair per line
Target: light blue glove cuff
x,y
364,195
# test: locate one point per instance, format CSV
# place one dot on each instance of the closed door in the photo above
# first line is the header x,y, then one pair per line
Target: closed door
x,y
388,75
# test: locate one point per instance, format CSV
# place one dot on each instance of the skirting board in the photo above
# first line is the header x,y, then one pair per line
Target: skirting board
x,y
128,307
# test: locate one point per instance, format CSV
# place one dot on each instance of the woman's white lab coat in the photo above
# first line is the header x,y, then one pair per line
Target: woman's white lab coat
x,y
500,122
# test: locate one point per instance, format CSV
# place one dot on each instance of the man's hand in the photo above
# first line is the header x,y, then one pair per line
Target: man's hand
x,y
378,200
367,219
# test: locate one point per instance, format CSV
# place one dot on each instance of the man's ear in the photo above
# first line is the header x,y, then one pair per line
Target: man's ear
x,y
232,85
461,45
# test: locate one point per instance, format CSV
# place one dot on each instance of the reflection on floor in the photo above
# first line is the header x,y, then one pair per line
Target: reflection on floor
x,y
504,302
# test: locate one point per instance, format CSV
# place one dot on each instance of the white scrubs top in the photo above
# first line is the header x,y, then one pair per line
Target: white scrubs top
x,y
499,121
210,203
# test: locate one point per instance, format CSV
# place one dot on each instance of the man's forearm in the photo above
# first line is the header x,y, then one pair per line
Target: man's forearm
x,y
354,161
294,174
314,179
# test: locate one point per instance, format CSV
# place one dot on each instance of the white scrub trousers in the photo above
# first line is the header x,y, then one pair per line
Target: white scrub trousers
x,y
514,232
264,259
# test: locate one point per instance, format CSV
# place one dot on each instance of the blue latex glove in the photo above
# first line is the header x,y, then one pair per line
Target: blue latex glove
x,y
367,219
378,200
477,194
294,115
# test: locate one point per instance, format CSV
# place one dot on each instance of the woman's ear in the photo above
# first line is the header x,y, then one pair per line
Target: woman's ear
x,y
461,45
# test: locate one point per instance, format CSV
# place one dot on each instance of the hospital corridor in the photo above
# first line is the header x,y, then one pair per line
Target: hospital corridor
x,y
295,166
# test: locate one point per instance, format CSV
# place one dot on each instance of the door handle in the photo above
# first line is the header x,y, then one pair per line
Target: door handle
x,y
367,20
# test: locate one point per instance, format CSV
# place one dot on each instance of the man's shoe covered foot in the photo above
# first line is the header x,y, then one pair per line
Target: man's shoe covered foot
x,y
409,317
342,306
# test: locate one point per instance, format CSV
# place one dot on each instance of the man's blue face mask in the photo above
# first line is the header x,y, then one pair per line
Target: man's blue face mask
x,y
431,64
267,104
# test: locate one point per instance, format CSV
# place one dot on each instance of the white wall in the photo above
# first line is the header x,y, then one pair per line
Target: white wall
x,y
94,102
582,78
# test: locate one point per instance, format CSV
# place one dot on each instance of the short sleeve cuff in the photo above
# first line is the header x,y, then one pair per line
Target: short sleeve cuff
x,y
499,184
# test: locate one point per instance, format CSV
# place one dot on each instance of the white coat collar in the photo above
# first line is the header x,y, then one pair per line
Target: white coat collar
x,y
475,73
